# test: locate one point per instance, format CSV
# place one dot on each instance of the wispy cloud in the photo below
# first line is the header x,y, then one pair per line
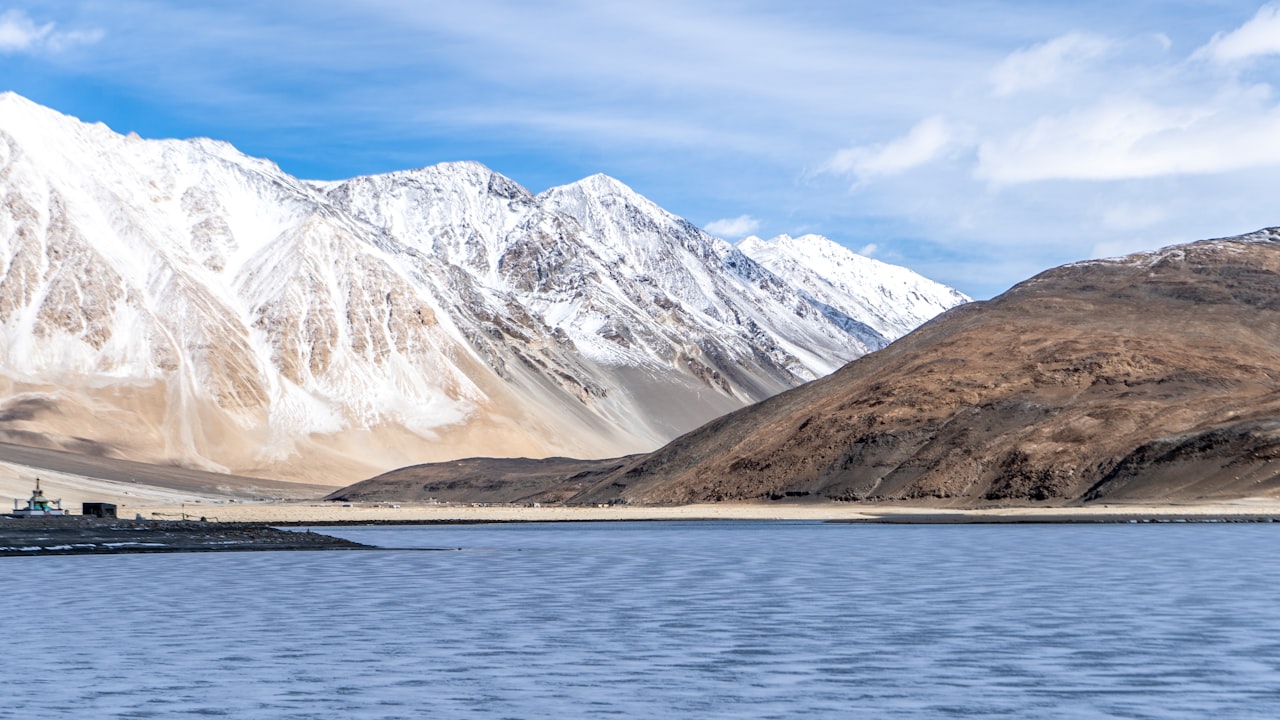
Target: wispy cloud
x,y
733,228
1084,141
1134,139
1046,63
1164,118
922,144
20,34
1258,37
1131,129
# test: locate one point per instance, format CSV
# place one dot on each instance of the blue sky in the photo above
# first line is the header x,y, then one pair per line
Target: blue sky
x,y
975,142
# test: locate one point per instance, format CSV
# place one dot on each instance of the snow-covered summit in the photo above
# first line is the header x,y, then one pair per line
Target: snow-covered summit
x,y
625,220
891,299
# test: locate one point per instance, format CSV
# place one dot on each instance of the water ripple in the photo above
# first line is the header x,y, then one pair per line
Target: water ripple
x,y
708,620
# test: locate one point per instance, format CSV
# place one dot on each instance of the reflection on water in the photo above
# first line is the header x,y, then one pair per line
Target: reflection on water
x,y
706,620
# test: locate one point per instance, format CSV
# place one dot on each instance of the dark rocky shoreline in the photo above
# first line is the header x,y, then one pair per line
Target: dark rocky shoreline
x,y
80,535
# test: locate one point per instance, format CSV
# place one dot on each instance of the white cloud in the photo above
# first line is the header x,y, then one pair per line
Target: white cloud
x,y
924,143
58,42
738,227
1045,64
19,33
1136,139
1123,115
1258,37
868,250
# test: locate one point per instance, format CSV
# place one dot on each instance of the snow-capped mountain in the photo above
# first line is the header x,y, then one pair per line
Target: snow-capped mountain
x,y
888,301
179,301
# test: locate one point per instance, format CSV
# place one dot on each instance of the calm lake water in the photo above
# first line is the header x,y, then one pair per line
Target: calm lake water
x,y
649,620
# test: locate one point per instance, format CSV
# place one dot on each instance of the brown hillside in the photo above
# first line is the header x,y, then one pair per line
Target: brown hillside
x,y
500,480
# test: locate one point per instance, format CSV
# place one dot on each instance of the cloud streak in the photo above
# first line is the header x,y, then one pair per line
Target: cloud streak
x,y
20,34
1047,63
1136,139
733,228
924,143
1134,129
1258,37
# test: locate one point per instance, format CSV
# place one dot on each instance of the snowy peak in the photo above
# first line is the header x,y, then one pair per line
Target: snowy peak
x,y
458,175
460,212
12,104
646,239
888,298
601,189
817,251
598,185
607,207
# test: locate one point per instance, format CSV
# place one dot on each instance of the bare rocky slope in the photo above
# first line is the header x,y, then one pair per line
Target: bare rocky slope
x,y
1153,377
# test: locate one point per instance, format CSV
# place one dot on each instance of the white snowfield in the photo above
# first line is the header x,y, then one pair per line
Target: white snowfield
x,y
179,301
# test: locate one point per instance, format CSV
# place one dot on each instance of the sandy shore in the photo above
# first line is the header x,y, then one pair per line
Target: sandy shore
x,y
322,512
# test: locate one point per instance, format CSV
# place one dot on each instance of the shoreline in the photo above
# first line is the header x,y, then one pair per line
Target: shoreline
x,y
265,526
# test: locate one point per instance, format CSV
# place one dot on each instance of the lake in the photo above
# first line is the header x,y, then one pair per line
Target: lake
x,y
662,619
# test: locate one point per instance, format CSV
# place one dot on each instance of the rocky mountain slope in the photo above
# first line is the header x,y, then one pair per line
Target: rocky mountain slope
x,y
180,302
1152,377
889,301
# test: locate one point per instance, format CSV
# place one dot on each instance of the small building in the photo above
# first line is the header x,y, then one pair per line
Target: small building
x,y
38,505
98,509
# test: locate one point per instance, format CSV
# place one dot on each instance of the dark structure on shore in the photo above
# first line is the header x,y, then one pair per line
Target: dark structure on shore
x,y
98,509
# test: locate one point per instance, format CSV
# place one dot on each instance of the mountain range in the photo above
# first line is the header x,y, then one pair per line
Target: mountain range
x,y
1153,377
179,302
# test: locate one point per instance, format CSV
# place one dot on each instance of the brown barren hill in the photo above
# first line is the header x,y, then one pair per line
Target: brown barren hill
x,y
1152,377
500,480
